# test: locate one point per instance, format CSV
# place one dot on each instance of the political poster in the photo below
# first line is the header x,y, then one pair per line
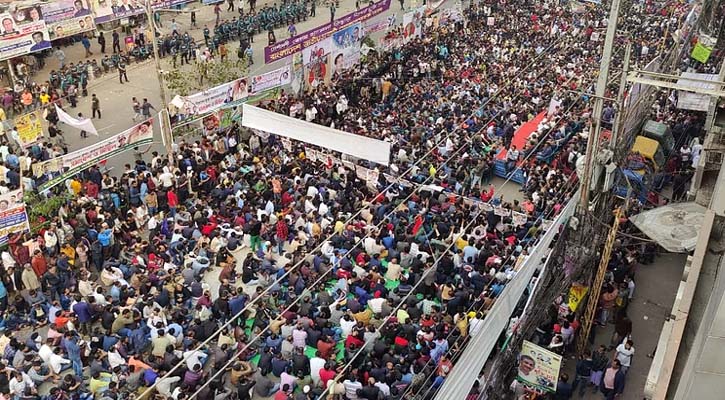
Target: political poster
x,y
109,10
298,72
226,94
345,59
22,31
501,211
518,218
310,38
576,294
348,36
346,49
82,159
701,52
375,26
46,167
413,23
13,215
538,367
272,79
29,128
67,18
313,54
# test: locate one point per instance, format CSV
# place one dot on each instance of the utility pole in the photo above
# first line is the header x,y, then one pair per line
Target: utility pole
x,y
619,118
593,141
164,122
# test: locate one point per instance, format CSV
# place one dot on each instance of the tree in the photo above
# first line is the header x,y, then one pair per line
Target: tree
x,y
203,76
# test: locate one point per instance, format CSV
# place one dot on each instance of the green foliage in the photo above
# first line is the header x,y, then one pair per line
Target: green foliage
x,y
41,209
203,76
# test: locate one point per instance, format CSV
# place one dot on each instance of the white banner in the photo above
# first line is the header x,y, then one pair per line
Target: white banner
x,y
84,124
272,79
355,145
228,93
79,160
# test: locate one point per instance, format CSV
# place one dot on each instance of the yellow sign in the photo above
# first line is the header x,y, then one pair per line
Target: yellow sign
x,y
576,294
701,53
29,128
538,367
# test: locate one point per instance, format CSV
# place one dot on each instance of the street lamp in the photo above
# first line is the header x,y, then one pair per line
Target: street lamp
x,y
164,121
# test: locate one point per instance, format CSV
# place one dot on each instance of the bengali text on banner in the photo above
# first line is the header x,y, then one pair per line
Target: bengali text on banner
x,y
67,18
272,79
309,38
13,215
23,31
79,160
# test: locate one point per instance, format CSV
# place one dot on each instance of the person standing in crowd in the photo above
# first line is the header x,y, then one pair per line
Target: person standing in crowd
x,y
146,108
624,353
613,381
102,42
599,365
86,45
60,55
122,72
217,12
95,106
116,41
136,107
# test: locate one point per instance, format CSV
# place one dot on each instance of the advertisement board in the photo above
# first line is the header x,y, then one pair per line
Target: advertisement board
x,y
18,39
272,79
226,94
538,367
109,10
67,18
79,160
29,128
309,38
13,216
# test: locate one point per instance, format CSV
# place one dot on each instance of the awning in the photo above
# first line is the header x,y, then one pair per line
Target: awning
x,y
674,227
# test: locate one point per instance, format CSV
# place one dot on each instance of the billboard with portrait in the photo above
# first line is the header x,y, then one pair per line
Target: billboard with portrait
x,y
227,95
109,10
79,160
13,216
22,31
67,18
538,367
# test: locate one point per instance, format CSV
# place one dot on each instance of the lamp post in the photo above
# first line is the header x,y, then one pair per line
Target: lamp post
x,y
164,121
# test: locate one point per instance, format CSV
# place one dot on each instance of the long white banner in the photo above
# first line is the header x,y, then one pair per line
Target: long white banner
x,y
358,146
209,100
77,161
272,79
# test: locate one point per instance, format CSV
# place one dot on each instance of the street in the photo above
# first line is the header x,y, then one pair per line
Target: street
x,y
115,98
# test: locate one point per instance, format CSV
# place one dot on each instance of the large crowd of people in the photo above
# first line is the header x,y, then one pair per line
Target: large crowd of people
x,y
245,268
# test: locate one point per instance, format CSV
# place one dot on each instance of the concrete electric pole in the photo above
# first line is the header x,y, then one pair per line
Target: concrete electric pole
x,y
164,121
601,88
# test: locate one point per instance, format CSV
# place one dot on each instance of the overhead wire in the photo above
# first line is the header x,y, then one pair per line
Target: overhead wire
x,y
419,186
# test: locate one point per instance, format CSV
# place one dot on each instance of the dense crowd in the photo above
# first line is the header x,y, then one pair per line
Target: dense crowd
x,y
244,267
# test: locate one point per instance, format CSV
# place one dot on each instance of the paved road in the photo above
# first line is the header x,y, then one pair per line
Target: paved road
x,y
116,98
656,287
